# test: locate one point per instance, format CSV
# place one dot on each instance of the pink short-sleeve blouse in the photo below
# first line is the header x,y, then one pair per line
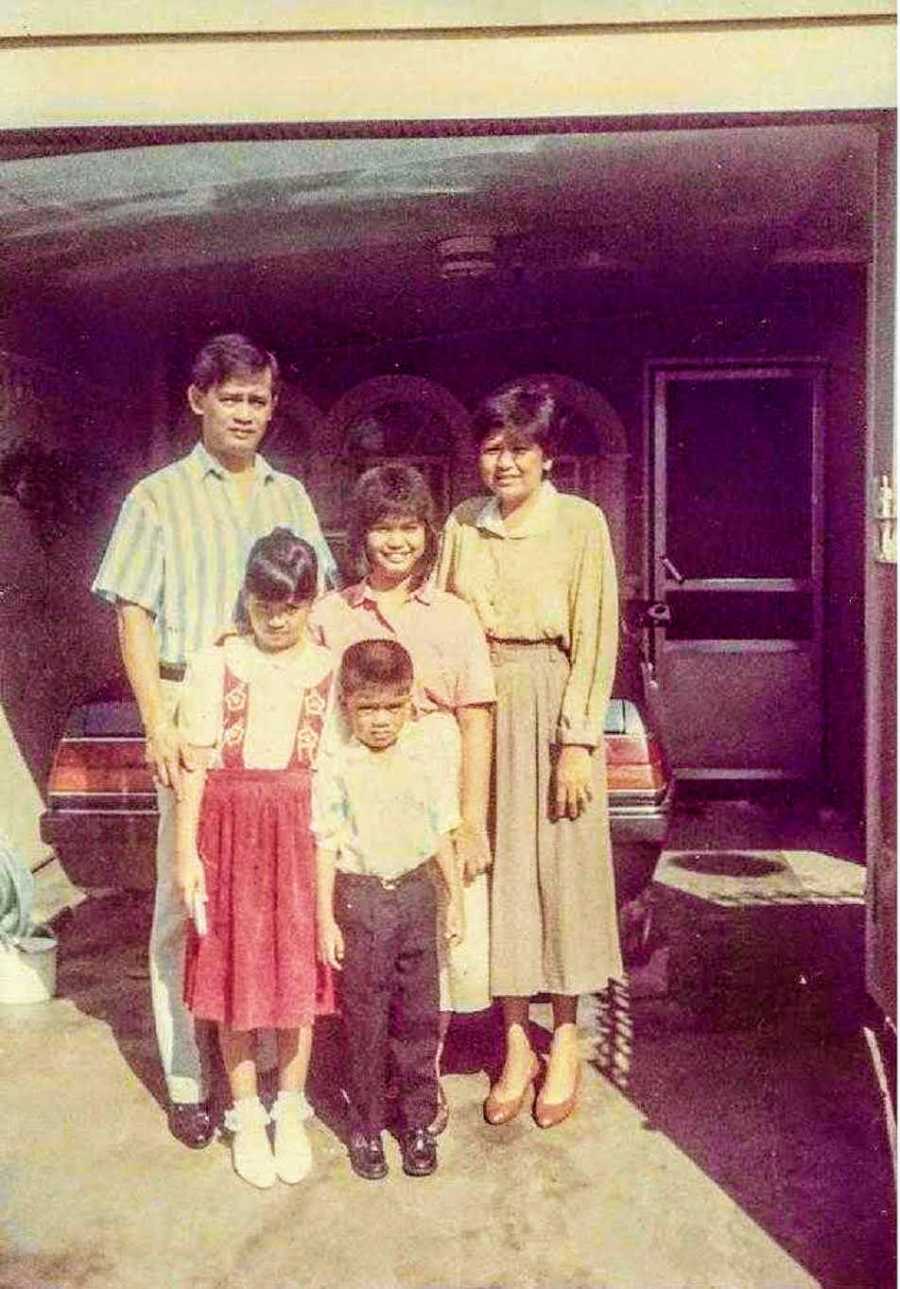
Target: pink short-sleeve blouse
x,y
442,634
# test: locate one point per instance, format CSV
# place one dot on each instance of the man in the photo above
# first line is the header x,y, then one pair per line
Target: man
x,y
173,569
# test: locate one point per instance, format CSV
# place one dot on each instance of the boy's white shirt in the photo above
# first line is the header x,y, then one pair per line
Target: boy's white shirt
x,y
384,812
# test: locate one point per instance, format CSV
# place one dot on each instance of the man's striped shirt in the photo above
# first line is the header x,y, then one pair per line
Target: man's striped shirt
x,y
180,546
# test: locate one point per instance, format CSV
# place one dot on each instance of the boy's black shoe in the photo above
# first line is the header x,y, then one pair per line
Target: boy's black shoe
x,y
367,1156
419,1151
191,1123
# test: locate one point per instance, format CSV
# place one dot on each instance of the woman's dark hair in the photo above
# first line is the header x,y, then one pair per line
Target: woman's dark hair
x,y
280,566
392,492
225,357
375,664
526,409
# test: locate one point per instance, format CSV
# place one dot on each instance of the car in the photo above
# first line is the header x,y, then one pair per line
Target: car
x,y
101,815
640,787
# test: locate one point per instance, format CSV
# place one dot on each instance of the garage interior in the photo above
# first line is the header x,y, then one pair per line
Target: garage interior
x,y
400,279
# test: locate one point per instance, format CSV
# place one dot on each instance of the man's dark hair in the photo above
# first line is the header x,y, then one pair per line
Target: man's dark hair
x,y
375,664
225,357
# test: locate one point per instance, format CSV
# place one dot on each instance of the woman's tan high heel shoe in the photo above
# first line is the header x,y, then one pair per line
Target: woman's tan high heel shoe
x,y
547,1114
497,1111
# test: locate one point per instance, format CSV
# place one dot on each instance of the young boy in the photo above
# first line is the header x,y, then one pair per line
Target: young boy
x,y
383,810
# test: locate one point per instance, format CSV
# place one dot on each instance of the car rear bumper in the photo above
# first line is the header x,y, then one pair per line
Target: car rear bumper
x,y
117,847
638,832
99,848
638,828
639,819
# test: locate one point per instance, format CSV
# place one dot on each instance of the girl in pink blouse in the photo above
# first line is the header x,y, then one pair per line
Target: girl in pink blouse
x,y
393,538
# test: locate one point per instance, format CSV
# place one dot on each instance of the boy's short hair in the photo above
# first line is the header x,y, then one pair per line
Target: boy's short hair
x,y
232,356
375,664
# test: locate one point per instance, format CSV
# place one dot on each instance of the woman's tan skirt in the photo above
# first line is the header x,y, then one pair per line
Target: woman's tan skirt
x,y
553,907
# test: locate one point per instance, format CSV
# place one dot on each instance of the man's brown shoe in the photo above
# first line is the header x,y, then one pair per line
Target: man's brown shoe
x,y
191,1123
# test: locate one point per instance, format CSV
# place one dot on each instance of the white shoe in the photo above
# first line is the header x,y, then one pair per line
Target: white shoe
x,y
251,1152
293,1154
267,1063
306,1110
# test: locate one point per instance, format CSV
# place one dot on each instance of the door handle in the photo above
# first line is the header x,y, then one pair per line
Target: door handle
x,y
658,614
671,570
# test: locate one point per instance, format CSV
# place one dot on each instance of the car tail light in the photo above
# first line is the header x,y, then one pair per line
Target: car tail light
x,y
100,766
634,763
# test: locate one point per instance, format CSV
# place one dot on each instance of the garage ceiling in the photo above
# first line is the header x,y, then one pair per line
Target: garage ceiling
x,y
336,239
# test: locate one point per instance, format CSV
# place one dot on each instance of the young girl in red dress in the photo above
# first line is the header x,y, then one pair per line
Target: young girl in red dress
x,y
253,708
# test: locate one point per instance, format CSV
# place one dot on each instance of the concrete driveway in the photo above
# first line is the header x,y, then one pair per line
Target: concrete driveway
x,y
704,1154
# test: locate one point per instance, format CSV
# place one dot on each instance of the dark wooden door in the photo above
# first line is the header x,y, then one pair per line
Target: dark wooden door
x,y
737,556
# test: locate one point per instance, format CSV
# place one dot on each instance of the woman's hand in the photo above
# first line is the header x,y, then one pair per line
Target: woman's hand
x,y
189,879
572,787
474,851
331,943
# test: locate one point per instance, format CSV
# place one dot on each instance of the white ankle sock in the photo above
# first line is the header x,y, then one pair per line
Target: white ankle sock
x,y
251,1152
293,1154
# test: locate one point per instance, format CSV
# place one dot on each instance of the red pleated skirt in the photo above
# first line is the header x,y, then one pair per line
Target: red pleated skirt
x,y
256,967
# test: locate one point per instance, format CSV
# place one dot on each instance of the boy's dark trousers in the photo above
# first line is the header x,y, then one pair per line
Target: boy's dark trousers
x,y
389,995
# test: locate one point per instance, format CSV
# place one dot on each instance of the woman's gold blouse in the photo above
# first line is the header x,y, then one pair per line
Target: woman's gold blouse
x,y
551,578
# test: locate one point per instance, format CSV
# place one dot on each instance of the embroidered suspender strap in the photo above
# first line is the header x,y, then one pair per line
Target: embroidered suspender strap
x,y
310,721
234,720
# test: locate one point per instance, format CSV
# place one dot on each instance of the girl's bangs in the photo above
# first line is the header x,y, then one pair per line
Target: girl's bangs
x,y
275,585
395,515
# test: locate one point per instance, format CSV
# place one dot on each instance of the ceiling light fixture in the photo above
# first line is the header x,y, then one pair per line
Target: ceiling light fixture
x,y
470,256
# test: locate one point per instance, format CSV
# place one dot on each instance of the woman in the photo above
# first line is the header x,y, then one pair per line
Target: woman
x,y
537,568
393,538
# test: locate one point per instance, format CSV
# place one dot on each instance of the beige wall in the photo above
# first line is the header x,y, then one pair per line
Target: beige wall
x,y
664,66
37,18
